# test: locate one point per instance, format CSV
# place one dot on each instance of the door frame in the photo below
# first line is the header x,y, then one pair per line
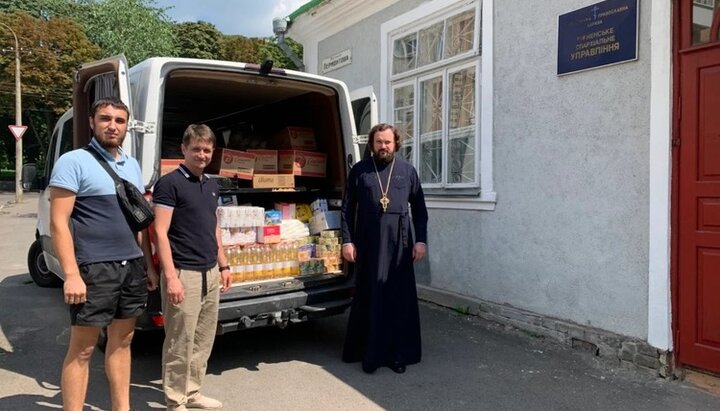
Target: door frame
x,y
682,44
675,167
659,52
82,100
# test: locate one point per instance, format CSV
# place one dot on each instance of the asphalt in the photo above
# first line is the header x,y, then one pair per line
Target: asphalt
x,y
468,363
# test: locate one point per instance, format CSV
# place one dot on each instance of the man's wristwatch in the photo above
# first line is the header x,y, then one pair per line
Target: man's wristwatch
x,y
223,268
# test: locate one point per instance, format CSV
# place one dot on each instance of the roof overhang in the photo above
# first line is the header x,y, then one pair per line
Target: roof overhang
x,y
320,19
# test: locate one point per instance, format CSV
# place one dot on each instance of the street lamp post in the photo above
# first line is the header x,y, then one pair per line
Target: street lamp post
x,y
18,120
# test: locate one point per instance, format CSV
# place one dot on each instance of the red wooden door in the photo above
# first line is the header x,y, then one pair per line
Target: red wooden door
x,y
698,214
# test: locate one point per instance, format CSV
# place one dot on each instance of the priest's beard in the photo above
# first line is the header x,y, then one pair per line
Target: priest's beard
x,y
384,156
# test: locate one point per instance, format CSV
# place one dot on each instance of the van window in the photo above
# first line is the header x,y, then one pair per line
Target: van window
x,y
361,112
50,158
64,140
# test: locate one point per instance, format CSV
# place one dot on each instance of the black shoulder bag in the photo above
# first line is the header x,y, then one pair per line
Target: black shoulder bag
x,y
133,204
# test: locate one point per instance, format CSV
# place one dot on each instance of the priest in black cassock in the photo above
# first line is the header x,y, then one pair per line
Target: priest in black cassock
x,y
383,198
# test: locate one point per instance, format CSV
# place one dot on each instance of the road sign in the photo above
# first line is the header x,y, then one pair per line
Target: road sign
x,y
17,131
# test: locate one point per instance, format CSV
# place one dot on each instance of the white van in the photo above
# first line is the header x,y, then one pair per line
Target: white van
x,y
235,99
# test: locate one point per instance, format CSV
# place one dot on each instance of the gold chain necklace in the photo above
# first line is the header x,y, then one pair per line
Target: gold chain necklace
x,y
384,200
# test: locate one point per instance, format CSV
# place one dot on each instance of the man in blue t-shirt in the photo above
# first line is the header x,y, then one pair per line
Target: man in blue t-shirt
x,y
103,260
194,268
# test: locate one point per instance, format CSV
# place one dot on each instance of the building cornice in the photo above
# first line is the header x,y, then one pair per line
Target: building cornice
x,y
331,17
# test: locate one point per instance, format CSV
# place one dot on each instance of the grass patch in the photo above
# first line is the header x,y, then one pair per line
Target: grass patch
x,y
533,334
463,310
6,174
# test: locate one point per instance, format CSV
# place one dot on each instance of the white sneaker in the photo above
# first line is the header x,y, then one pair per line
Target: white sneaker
x,y
204,403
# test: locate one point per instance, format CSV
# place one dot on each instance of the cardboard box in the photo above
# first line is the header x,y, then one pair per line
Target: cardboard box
x,y
266,161
273,181
232,163
273,217
327,220
286,209
295,138
268,234
227,200
302,163
328,240
168,165
330,234
312,266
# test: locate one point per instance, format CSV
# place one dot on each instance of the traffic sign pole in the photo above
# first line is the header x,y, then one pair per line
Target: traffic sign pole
x,y
18,119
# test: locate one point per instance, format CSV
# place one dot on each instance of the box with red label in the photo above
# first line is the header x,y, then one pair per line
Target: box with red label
x,y
232,163
296,138
273,181
168,165
268,234
266,161
302,163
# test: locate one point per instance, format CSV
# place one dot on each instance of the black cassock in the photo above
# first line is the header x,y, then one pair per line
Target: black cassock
x,y
384,324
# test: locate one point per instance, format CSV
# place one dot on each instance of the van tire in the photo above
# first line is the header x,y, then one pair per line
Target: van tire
x,y
39,271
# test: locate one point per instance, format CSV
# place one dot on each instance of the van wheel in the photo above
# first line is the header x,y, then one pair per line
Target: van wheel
x,y
39,271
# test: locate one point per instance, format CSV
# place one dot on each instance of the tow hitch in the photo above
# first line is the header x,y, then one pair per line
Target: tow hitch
x,y
281,318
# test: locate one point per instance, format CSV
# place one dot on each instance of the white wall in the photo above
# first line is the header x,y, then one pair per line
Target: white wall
x,y
569,235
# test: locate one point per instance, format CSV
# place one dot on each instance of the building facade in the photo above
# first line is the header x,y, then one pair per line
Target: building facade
x,y
584,205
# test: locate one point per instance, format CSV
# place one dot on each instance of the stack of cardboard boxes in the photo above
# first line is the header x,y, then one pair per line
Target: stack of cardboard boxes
x,y
257,249
293,152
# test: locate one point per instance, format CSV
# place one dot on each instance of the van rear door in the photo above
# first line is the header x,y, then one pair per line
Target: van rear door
x,y
96,80
365,112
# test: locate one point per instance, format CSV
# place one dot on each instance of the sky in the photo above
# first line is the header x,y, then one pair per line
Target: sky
x,y
250,18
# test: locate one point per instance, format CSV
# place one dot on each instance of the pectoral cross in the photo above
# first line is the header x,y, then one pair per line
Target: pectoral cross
x,y
384,202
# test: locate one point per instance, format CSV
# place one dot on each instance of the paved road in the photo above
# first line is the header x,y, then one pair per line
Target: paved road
x,y
468,364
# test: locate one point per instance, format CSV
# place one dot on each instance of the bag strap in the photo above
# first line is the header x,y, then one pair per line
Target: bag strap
x,y
103,163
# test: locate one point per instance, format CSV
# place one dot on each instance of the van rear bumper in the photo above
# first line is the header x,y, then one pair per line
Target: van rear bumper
x,y
267,310
281,309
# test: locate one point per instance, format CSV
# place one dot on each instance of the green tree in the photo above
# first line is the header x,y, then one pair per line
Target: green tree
x,y
31,7
257,50
241,48
51,51
41,9
134,28
198,40
137,28
4,159
270,50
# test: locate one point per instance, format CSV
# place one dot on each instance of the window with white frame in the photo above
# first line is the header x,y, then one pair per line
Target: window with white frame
x,y
433,75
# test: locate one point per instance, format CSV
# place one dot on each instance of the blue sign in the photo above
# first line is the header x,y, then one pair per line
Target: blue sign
x,y
601,34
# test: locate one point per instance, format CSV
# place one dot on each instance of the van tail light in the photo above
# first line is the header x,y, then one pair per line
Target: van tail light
x,y
158,320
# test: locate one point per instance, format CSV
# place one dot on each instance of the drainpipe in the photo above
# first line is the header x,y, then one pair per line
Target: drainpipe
x,y
280,28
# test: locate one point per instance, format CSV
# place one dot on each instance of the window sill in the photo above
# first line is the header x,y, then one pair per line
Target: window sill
x,y
486,201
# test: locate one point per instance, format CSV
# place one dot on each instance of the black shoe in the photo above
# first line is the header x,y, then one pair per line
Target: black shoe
x,y
368,369
397,367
